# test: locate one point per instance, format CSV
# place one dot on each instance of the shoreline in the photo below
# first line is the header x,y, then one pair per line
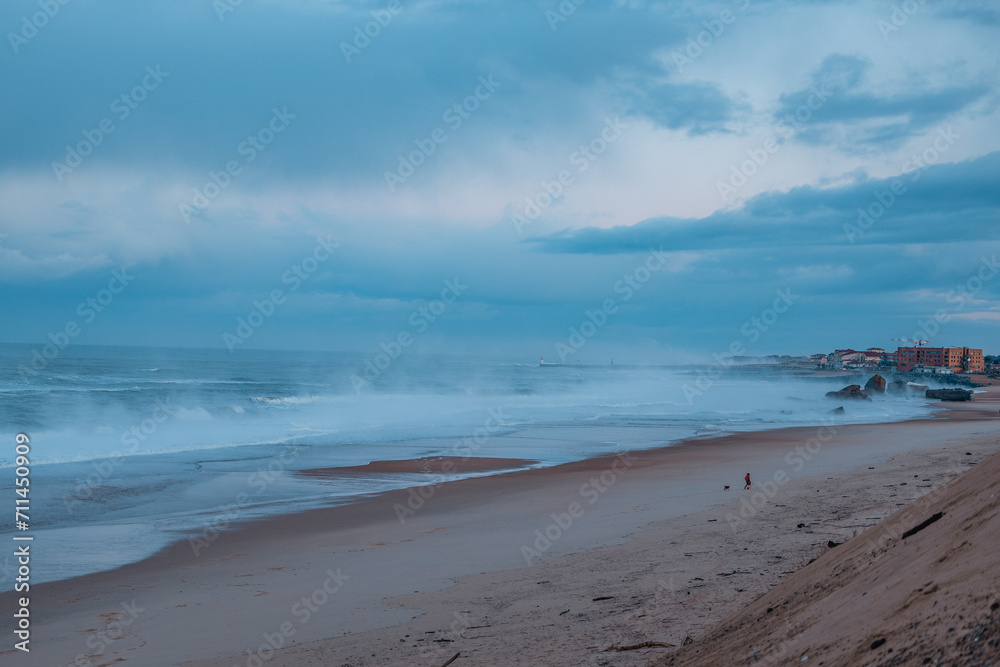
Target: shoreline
x,y
255,503
367,537
446,465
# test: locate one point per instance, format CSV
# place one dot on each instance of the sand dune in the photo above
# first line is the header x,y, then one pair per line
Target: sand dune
x,y
887,597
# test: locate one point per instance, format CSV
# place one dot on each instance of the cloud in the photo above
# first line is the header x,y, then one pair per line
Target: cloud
x,y
960,198
979,316
699,107
352,118
324,174
976,12
16,267
868,117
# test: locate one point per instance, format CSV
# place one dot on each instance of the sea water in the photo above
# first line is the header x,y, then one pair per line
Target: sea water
x,y
133,448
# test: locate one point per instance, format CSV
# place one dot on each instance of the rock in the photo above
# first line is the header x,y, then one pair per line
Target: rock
x,y
950,394
831,544
876,385
877,643
853,391
896,387
838,411
903,388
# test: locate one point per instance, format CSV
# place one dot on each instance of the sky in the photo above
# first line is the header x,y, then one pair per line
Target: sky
x,y
632,179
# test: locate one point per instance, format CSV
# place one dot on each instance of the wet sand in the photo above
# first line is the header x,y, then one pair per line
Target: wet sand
x,y
436,465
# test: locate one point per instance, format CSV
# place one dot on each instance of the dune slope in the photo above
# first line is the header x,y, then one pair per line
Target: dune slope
x,y
886,597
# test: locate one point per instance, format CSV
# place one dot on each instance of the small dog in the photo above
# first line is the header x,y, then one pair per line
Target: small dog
x,y
726,488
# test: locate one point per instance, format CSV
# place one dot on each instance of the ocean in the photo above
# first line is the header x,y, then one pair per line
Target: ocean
x,y
134,448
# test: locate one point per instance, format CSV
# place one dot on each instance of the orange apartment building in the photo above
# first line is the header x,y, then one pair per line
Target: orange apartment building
x,y
958,359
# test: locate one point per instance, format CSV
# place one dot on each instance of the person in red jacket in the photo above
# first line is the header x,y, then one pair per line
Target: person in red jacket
x,y
747,478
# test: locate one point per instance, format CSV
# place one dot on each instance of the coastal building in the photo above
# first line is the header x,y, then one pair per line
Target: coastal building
x,y
820,360
957,359
797,362
848,357
873,357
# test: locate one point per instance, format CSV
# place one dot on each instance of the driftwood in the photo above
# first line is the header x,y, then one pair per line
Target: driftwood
x,y
917,529
453,659
639,646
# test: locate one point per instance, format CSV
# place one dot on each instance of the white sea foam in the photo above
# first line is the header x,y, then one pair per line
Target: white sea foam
x,y
110,445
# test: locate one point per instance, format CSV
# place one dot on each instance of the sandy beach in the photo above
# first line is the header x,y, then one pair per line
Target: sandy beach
x,y
541,566
343,333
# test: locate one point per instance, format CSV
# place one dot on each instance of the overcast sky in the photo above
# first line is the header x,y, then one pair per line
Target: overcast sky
x,y
206,147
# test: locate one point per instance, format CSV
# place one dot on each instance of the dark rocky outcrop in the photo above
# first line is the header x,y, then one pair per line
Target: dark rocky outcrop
x,y
904,388
950,394
876,385
853,391
896,387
